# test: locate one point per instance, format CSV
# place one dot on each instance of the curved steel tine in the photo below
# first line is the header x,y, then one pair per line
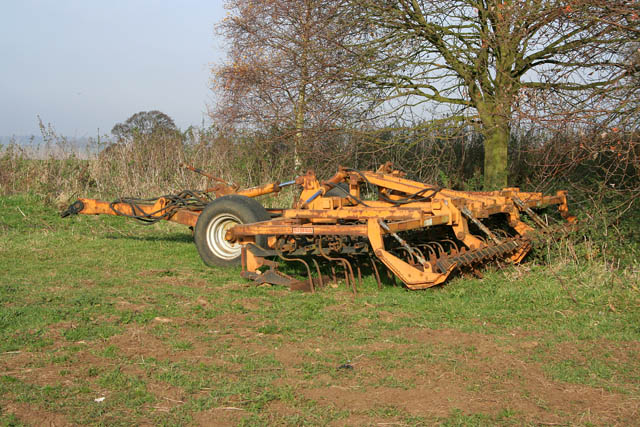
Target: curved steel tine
x,y
305,264
442,251
503,233
391,275
419,251
433,250
320,281
415,248
410,255
333,270
375,270
359,275
453,244
346,274
345,264
430,249
353,279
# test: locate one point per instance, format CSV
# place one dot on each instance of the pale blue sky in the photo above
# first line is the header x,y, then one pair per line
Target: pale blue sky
x,y
84,65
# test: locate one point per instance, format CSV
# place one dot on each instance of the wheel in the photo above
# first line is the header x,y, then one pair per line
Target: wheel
x,y
214,222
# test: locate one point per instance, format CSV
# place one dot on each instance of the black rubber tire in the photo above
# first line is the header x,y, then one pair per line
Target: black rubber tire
x,y
220,215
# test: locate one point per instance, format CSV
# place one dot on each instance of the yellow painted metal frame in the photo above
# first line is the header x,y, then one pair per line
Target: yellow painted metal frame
x,y
315,214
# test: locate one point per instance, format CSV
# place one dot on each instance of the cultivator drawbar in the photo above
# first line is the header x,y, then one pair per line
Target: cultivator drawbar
x,y
420,233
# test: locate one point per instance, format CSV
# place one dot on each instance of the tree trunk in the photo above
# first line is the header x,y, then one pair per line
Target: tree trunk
x,y
301,102
299,126
495,117
496,142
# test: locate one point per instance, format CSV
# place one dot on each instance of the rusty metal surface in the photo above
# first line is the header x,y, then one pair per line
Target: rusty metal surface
x,y
421,233
421,257
157,210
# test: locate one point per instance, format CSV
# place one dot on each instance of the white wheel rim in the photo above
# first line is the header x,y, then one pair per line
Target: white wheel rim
x,y
216,232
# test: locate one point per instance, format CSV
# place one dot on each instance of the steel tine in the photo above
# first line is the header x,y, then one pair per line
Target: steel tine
x,y
353,279
320,281
453,246
346,273
306,266
342,260
431,251
375,270
409,254
442,251
391,276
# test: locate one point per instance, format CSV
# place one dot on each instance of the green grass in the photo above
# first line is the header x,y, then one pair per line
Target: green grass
x,y
96,307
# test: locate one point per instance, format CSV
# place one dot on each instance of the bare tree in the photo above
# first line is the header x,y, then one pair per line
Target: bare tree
x,y
493,60
284,72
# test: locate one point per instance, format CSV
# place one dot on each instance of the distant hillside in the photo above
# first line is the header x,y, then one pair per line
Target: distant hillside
x,y
22,140
36,146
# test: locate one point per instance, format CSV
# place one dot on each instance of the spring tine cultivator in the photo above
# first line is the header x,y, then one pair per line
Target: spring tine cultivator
x,y
419,232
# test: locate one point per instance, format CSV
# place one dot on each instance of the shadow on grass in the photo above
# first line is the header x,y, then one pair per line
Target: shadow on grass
x,y
331,269
178,237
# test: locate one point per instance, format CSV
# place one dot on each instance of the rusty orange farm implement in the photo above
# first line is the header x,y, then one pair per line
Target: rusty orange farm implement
x,y
419,232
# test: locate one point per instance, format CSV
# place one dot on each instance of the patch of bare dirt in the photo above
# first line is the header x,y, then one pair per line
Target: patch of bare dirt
x,y
614,352
37,368
157,273
289,355
429,375
32,415
124,305
88,283
363,322
364,420
14,362
253,304
168,396
472,373
282,409
56,331
221,416
139,342
389,317
178,278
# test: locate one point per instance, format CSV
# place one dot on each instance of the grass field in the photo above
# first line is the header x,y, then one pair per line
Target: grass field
x,y
106,322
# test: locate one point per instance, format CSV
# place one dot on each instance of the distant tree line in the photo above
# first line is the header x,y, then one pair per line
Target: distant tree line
x,y
144,123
